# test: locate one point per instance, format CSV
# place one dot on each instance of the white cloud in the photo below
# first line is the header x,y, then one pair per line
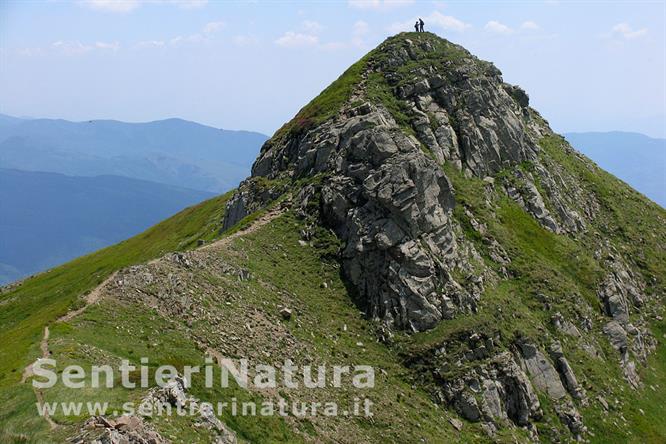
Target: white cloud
x,y
200,37
194,38
435,19
497,28
113,46
529,25
334,46
112,5
71,47
626,31
151,44
397,27
361,28
312,26
28,52
446,22
378,4
296,40
213,27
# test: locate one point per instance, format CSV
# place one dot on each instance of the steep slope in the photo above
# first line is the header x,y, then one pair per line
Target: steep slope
x,y
635,158
509,290
172,151
84,214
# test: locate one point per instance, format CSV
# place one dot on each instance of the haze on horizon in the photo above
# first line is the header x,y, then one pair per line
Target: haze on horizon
x,y
248,65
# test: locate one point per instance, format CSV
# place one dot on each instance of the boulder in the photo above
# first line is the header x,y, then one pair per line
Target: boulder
x,y
543,374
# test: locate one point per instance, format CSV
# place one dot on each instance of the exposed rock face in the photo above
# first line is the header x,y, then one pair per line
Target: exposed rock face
x,y
541,370
494,392
566,372
478,123
390,203
619,290
388,200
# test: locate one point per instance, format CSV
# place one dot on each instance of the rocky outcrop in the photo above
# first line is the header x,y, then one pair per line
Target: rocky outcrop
x,y
529,198
128,429
499,388
541,371
385,194
390,203
617,336
566,372
493,392
132,429
253,195
619,290
175,393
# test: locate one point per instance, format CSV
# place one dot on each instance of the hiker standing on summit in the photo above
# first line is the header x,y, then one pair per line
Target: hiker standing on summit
x,y
416,26
421,25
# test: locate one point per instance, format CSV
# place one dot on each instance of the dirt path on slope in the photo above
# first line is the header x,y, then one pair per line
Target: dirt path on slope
x,y
28,372
44,348
271,214
90,299
96,294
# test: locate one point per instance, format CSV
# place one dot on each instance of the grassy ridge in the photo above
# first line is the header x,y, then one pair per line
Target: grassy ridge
x,y
326,325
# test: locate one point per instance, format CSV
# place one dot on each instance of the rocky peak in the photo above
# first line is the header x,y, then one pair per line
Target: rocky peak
x,y
456,105
380,135
384,158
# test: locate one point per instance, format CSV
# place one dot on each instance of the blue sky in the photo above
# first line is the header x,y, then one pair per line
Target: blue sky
x,y
588,66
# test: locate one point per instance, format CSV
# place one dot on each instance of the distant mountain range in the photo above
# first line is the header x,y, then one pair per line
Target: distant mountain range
x,y
69,188
635,158
172,151
50,218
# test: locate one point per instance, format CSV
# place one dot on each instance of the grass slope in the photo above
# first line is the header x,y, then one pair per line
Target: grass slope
x,y
327,328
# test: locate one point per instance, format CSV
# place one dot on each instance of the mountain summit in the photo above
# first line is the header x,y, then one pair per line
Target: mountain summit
x,y
424,163
509,289
415,103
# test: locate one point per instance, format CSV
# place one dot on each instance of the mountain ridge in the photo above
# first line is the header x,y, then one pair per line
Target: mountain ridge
x,y
172,151
509,289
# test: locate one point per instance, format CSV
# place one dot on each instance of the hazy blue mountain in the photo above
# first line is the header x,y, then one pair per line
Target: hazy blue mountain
x,y
6,120
47,218
635,158
172,151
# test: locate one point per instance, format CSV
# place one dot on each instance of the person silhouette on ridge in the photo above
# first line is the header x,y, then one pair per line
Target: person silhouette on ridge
x,y
421,25
416,26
